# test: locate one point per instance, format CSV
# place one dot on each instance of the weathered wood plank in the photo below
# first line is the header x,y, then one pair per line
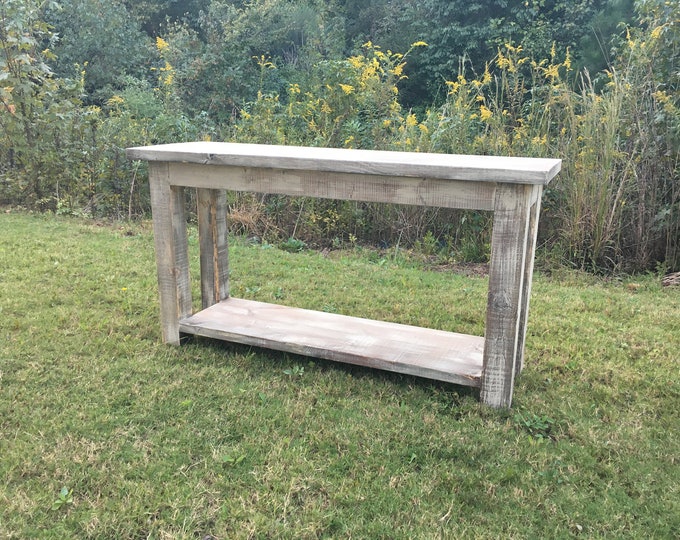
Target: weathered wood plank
x,y
532,233
214,248
344,186
423,352
371,162
172,261
506,275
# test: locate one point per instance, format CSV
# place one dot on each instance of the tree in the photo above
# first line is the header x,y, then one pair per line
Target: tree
x,y
101,37
39,113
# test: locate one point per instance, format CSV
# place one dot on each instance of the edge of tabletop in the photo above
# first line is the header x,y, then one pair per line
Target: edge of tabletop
x,y
520,170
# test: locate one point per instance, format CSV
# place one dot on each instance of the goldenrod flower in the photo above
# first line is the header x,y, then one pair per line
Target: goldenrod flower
x,y
356,61
486,78
347,88
485,113
115,100
552,71
567,61
398,70
161,44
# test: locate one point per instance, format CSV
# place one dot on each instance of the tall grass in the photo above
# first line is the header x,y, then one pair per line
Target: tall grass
x,y
614,207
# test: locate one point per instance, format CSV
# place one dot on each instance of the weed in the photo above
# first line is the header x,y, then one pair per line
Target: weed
x,y
233,460
293,245
295,371
64,498
540,427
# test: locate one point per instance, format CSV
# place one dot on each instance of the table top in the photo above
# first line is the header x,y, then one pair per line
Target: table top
x,y
517,170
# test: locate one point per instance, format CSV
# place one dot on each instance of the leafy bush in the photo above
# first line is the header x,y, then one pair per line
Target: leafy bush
x,y
615,206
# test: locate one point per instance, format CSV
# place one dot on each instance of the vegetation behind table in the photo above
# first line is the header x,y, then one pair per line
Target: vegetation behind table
x,y
362,75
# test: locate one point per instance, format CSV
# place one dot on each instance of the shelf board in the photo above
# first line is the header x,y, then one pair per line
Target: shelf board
x,y
433,354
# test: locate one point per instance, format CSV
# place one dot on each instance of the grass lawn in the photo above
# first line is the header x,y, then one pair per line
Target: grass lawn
x,y
107,433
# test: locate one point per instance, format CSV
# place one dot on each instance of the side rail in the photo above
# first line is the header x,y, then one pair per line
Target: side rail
x,y
509,187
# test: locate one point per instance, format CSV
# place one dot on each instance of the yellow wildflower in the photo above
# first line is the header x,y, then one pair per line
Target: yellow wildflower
x,y
486,78
419,44
356,61
552,71
485,113
347,88
115,100
501,61
411,120
161,44
398,70
567,61
453,87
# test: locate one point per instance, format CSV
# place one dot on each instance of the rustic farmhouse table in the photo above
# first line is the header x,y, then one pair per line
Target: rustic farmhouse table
x,y
510,187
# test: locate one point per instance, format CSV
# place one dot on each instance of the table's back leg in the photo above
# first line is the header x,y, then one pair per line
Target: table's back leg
x,y
172,260
506,281
532,234
214,248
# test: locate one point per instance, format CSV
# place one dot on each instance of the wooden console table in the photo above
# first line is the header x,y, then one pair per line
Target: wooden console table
x,y
510,187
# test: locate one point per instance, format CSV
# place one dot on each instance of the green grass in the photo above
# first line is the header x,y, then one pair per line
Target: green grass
x,y
209,439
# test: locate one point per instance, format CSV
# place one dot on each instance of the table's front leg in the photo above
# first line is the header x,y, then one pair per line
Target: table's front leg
x,y
507,272
172,260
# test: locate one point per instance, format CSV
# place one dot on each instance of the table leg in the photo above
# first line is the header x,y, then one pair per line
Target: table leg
x,y
172,261
532,234
507,272
214,248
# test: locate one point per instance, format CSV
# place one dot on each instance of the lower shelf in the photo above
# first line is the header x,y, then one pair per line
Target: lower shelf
x,y
433,354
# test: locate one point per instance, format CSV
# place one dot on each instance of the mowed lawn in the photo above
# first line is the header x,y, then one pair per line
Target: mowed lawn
x,y
107,433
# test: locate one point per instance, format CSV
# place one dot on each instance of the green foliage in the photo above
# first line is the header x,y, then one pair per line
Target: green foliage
x,y
40,116
537,426
293,245
101,36
64,499
274,72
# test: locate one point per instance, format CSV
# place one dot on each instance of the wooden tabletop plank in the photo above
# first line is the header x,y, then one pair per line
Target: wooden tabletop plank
x,y
377,162
433,354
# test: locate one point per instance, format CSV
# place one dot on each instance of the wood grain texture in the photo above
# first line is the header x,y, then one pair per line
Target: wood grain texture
x,y
423,352
372,162
532,233
506,275
213,245
172,261
343,186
